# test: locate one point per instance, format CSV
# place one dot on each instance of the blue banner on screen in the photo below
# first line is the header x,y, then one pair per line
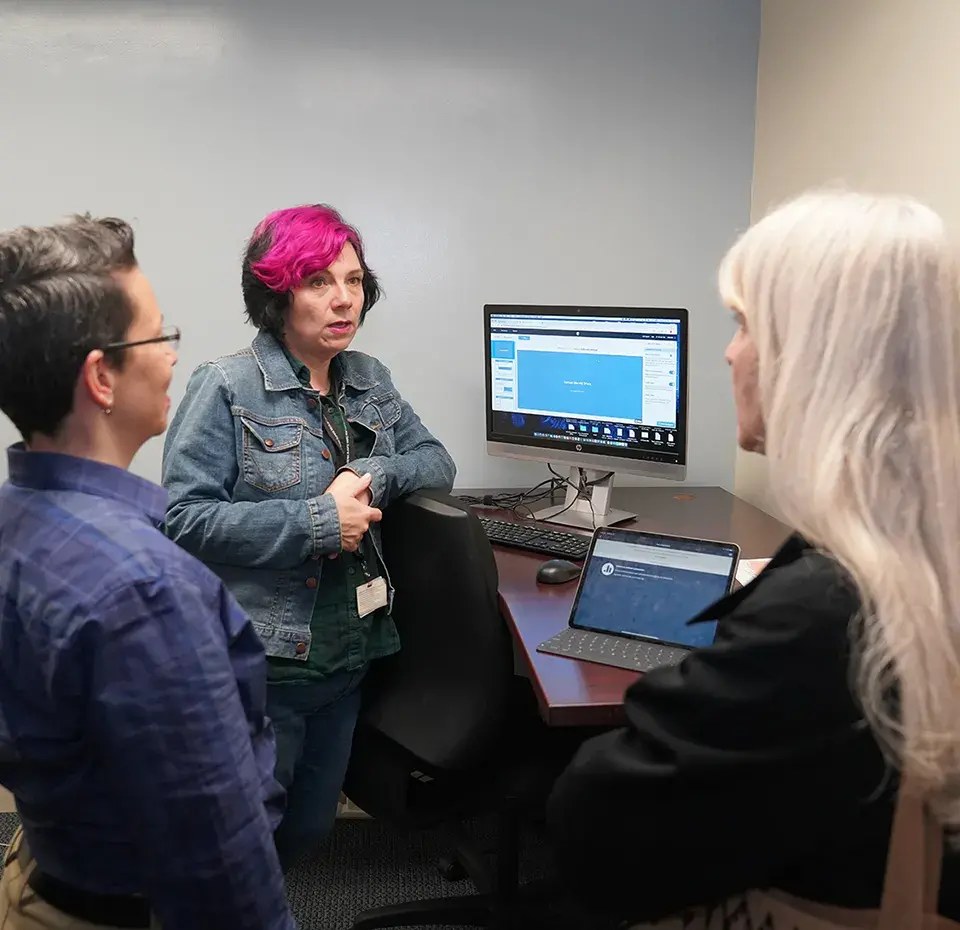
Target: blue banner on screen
x,y
636,584
579,384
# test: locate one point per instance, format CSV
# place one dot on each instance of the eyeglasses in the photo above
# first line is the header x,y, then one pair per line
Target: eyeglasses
x,y
170,334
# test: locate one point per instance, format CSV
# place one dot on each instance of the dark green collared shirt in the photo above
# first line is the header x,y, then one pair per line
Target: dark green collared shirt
x,y
339,637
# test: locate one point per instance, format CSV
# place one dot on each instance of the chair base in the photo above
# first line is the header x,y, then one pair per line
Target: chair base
x,y
474,910
494,905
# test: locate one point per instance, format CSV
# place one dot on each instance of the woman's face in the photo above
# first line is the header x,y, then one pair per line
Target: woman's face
x,y
325,310
140,403
744,365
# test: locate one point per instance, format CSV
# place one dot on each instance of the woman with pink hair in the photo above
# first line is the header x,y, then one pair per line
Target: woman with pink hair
x,y
278,464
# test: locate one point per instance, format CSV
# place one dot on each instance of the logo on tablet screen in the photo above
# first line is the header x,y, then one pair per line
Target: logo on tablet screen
x,y
607,569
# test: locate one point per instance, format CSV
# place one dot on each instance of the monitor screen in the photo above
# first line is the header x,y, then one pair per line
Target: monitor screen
x,y
649,586
607,381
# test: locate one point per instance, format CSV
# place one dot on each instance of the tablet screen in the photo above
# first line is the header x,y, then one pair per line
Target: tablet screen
x,y
647,585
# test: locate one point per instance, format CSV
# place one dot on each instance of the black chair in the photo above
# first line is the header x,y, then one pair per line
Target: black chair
x,y
447,731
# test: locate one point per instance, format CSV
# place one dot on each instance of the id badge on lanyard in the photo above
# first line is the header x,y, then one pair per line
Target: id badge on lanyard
x,y
372,595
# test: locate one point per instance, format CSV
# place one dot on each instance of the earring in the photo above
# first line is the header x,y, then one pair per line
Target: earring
x,y
108,410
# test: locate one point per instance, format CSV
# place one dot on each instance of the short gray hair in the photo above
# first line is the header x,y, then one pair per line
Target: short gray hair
x,y
59,300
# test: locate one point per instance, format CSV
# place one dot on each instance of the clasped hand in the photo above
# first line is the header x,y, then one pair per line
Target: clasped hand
x,y
351,494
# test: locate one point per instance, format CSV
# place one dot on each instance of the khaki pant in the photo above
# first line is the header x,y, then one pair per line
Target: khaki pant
x,y
21,909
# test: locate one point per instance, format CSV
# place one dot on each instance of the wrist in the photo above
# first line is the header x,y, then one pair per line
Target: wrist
x,y
324,524
374,468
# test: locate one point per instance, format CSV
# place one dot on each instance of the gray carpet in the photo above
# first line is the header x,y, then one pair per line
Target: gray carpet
x,y
366,864
8,823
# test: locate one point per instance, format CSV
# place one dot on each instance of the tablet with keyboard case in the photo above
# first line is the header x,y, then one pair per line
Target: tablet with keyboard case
x,y
638,592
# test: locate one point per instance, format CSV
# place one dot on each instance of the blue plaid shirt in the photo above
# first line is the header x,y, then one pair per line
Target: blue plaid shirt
x,y
132,689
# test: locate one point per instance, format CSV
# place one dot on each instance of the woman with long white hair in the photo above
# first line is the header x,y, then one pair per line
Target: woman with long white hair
x,y
772,759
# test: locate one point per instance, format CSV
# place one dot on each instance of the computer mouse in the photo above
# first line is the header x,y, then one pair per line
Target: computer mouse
x,y
557,571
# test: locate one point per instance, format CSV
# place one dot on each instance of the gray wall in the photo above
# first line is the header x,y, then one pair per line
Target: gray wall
x,y
560,151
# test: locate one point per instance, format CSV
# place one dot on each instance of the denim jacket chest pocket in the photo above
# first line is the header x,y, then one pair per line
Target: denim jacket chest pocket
x,y
380,414
272,452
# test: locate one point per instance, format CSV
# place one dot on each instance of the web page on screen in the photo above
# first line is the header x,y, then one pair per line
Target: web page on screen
x,y
640,585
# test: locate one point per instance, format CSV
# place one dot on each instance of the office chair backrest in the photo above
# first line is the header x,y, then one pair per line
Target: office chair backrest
x,y
444,696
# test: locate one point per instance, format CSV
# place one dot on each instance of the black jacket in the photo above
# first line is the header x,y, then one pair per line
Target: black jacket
x,y
749,765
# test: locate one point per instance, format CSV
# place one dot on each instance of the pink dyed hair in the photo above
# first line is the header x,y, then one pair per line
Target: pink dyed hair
x,y
303,241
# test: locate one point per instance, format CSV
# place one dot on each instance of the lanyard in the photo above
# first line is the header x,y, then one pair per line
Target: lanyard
x,y
344,449
346,430
362,559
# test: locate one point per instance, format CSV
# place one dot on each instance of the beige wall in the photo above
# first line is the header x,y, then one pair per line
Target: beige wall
x,y
863,92
6,801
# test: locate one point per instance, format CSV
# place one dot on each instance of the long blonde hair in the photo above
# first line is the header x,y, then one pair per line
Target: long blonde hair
x,y
853,302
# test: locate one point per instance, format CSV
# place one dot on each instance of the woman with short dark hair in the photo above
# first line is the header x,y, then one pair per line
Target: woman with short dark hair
x,y
132,726
278,463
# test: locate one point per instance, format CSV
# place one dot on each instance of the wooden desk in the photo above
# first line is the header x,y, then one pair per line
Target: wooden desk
x,y
574,693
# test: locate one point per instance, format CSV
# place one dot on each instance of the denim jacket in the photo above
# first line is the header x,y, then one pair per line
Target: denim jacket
x,y
246,466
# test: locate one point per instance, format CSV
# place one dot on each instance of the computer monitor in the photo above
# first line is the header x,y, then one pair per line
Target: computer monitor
x,y
599,389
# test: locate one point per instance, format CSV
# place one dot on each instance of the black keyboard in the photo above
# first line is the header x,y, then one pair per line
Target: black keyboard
x,y
536,538
633,654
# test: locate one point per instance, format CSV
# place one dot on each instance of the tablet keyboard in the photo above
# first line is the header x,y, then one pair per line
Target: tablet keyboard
x,y
604,649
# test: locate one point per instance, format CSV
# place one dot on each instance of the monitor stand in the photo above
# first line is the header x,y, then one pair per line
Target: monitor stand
x,y
583,512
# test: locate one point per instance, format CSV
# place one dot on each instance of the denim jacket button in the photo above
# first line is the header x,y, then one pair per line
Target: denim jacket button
x,y
326,454
268,443
311,583
301,648
311,402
